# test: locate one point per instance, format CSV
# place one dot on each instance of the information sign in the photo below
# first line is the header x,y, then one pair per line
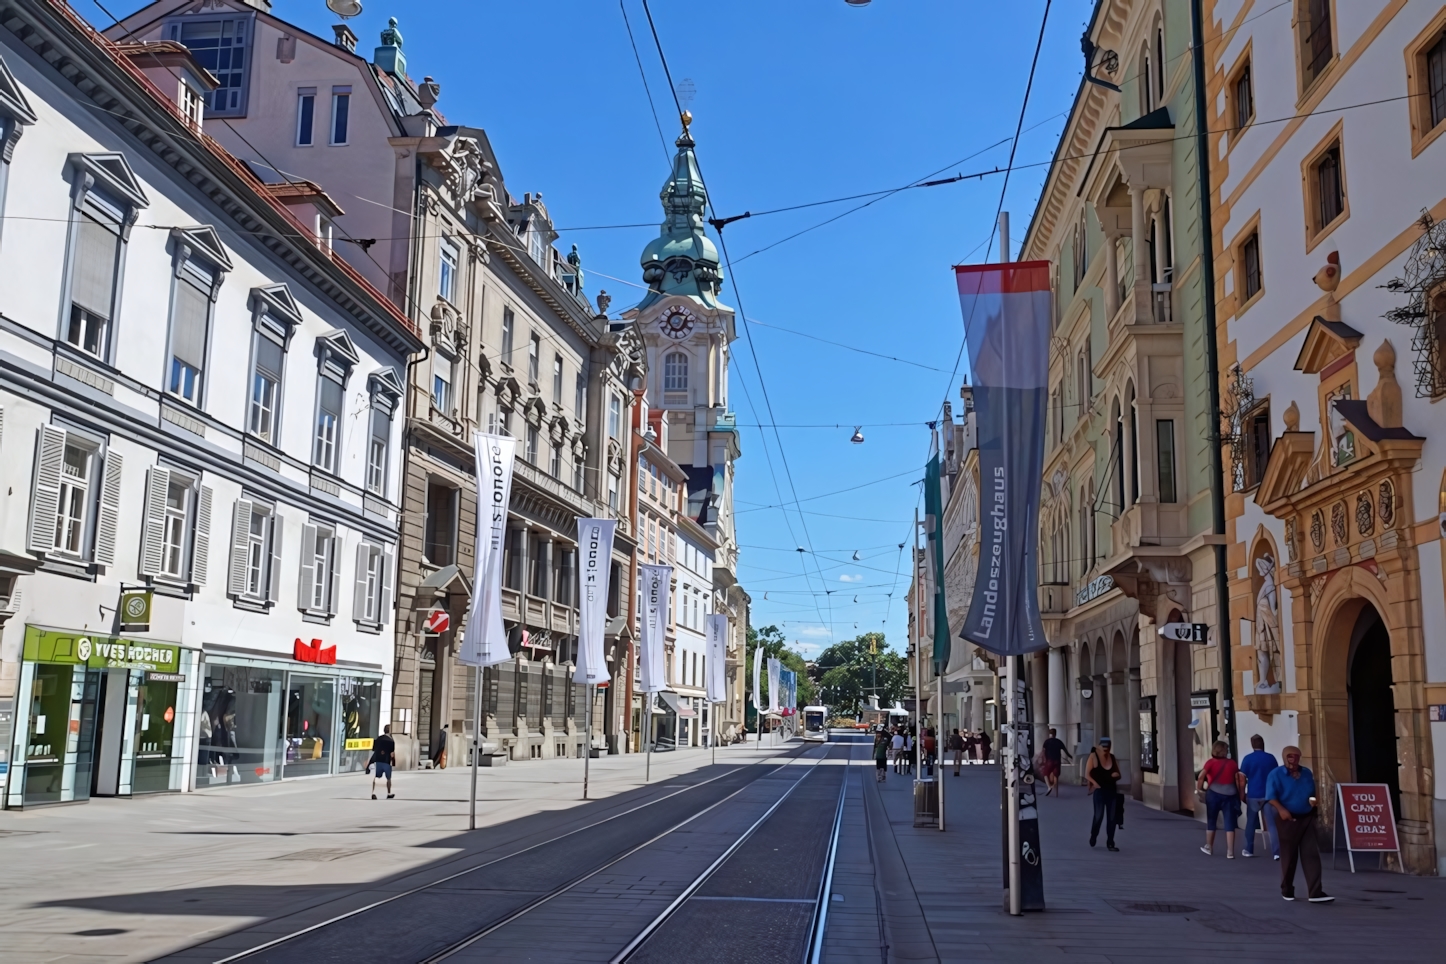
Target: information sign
x,y
1368,818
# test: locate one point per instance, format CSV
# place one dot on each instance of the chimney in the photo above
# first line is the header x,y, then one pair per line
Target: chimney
x,y
345,39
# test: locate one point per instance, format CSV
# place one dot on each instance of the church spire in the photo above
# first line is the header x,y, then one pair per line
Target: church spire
x,y
682,260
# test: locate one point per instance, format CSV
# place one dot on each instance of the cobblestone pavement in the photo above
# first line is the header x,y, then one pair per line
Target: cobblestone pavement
x,y
922,895
132,880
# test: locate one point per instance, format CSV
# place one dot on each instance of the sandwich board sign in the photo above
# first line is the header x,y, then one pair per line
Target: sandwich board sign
x,y
1368,819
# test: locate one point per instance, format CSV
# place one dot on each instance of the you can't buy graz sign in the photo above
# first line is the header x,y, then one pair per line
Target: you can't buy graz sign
x,y
98,652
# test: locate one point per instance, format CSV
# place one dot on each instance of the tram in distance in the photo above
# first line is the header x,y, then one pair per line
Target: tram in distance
x,y
815,723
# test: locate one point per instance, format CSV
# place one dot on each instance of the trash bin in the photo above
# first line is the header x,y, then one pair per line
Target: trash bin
x,y
926,803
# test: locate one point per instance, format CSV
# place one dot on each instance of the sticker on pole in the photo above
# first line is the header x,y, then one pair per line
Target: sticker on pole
x,y
438,621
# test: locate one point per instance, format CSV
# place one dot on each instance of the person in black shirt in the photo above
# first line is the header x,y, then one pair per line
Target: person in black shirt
x,y
384,757
1054,752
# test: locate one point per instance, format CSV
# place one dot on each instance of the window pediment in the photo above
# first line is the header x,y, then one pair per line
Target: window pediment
x,y
278,301
384,386
1325,342
15,108
337,353
202,239
112,173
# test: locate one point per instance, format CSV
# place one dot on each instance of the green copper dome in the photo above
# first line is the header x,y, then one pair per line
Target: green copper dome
x,y
682,260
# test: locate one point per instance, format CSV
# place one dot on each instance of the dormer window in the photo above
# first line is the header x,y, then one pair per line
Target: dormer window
x,y
221,45
537,247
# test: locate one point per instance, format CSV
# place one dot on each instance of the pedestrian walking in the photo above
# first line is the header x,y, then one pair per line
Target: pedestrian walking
x,y
882,747
1054,753
1257,767
898,744
956,747
986,747
908,751
931,749
439,749
1291,791
1223,785
1102,771
384,757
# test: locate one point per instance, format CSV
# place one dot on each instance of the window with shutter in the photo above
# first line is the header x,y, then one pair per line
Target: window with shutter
x,y
108,519
153,525
201,537
273,593
238,579
363,587
388,574
265,402
306,582
92,287
329,401
45,495
190,318
332,585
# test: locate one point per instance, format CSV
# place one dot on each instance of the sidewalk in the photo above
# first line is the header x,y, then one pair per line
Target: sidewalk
x,y
1158,898
132,880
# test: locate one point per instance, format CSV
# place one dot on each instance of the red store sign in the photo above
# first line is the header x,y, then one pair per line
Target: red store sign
x,y
314,652
1369,819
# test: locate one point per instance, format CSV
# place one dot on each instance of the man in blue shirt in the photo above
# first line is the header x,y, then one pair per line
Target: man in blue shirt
x,y
1257,767
1291,791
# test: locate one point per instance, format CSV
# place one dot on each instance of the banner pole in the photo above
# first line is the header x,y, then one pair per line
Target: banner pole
x,y
939,751
1011,754
648,735
587,741
476,745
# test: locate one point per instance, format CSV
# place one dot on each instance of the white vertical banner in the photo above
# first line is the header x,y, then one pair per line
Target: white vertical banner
x,y
484,641
717,653
775,669
757,693
595,552
656,584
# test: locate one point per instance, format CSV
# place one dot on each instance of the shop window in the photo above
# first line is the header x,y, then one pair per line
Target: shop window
x,y
360,700
256,540
320,571
155,741
372,596
440,525
310,718
240,725
176,528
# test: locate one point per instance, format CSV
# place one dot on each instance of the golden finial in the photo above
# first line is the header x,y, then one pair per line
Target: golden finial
x,y
687,117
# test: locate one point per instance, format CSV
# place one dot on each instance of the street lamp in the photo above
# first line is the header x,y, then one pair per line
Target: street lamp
x,y
348,8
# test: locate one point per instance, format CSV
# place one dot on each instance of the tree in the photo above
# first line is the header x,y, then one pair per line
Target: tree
x,y
850,671
776,647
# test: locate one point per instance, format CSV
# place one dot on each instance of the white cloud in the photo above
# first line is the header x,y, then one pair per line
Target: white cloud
x,y
851,577
815,631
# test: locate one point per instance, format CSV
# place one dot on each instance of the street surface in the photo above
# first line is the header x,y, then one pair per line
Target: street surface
x,y
704,863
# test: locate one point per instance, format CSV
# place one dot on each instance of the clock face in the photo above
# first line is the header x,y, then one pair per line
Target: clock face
x,y
677,322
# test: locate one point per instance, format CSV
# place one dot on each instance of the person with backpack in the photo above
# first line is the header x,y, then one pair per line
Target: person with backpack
x,y
1102,771
384,757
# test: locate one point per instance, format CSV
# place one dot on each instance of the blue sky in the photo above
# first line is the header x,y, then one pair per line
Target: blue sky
x,y
796,101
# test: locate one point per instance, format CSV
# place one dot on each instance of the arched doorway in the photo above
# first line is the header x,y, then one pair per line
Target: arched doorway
x,y
1372,706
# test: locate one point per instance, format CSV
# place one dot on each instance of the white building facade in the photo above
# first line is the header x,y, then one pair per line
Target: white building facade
x,y
200,446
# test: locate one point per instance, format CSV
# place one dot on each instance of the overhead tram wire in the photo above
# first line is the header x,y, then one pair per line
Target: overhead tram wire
x,y
662,140
743,316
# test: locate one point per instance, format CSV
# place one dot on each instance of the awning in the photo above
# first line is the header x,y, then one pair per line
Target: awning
x,y
676,704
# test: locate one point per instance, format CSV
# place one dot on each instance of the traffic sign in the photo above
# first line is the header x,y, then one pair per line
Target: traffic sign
x,y
438,621
1186,632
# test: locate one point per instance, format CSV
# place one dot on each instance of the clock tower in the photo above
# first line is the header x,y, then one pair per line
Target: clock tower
x,y
688,333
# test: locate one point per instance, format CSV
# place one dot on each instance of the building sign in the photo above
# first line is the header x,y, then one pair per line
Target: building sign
x,y
1437,712
1094,589
135,610
98,652
165,678
1368,817
365,743
1186,632
314,652
438,621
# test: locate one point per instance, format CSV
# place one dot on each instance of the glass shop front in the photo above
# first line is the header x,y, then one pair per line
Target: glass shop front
x,y
99,716
264,720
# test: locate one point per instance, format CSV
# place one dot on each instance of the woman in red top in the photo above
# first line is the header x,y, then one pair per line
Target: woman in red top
x,y
1224,786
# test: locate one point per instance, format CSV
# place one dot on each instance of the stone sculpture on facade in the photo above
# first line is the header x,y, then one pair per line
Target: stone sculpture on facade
x,y
1267,629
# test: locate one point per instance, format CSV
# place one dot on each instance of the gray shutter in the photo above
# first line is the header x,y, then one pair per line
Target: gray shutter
x,y
240,544
359,588
384,607
335,555
308,567
273,593
188,327
201,544
93,284
153,526
108,519
45,498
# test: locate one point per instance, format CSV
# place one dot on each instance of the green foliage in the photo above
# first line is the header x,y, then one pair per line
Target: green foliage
x,y
849,671
776,647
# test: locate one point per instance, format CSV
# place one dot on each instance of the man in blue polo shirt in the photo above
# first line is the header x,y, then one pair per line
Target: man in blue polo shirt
x,y
1291,791
1257,767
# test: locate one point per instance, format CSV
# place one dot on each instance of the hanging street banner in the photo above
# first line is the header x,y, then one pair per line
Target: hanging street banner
x,y
595,552
934,519
757,697
788,692
484,640
775,667
656,584
716,652
1006,328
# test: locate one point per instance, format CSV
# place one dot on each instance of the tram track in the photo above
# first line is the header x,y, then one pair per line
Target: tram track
x,y
518,884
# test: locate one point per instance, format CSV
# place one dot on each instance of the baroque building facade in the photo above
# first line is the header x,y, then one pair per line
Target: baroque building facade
x,y
1127,535
419,206
201,451
1329,279
688,333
